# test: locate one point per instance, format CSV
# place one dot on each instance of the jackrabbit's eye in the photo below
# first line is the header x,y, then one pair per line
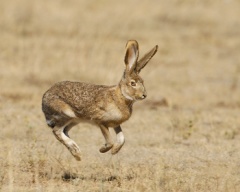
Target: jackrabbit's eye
x,y
133,83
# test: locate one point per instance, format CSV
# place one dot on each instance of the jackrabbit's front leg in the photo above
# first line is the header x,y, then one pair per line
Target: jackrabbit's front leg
x,y
109,144
120,140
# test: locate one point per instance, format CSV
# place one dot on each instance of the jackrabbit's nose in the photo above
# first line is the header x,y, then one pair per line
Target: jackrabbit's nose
x,y
144,95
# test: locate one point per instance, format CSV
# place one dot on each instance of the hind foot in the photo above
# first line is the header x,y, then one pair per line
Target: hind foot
x,y
74,149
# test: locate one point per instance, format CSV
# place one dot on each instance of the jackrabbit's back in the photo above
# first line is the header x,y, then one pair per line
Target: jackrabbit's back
x,y
76,94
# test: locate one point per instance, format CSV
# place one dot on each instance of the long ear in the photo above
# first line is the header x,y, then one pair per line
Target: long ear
x,y
145,59
131,55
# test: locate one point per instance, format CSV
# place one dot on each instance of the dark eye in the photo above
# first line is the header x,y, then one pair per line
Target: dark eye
x,y
133,83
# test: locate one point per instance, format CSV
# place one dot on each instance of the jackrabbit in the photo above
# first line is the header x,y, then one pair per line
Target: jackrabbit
x,y
67,103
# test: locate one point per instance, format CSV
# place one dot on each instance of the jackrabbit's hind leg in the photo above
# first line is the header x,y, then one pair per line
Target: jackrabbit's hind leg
x,y
68,127
109,144
120,140
61,134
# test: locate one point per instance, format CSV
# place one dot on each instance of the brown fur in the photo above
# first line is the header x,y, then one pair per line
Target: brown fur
x,y
68,103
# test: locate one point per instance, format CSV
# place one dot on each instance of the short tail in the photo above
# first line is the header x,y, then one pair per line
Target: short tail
x,y
51,123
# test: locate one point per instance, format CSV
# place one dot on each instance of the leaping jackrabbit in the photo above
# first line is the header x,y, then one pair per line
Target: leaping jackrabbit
x,y
67,103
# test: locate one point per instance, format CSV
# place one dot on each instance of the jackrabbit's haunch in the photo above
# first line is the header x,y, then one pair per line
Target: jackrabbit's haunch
x,y
67,103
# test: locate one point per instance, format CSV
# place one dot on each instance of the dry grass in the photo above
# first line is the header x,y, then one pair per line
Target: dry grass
x,y
189,137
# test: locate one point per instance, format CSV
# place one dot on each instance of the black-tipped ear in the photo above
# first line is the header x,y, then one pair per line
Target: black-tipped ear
x,y
146,58
131,55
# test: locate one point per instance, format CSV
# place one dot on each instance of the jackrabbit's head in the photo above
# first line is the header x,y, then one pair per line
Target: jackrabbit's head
x,y
131,84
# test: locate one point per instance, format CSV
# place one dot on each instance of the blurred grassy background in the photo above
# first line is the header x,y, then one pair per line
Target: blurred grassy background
x,y
189,138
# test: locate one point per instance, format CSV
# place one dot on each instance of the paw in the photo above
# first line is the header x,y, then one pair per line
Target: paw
x,y
106,147
77,157
116,148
